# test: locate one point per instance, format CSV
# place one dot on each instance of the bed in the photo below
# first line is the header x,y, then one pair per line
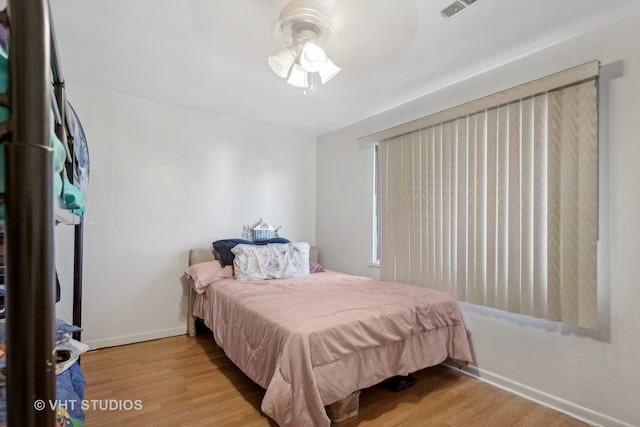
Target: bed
x,y
313,341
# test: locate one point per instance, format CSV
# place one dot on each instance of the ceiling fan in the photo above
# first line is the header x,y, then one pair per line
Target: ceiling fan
x,y
304,61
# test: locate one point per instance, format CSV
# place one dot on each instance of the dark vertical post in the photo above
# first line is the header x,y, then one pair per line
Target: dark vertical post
x,y
29,221
61,99
58,85
77,276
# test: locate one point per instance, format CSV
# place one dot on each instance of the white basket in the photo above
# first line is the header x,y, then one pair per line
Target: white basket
x,y
259,235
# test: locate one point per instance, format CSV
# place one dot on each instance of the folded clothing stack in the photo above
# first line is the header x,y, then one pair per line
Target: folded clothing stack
x,y
68,350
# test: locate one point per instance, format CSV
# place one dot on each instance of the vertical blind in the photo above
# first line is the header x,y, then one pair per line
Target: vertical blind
x,y
499,207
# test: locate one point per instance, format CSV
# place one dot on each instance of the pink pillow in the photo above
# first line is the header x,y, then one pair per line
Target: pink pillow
x,y
203,274
314,267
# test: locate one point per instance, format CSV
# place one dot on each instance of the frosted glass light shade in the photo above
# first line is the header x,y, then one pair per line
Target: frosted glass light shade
x,y
298,76
312,57
328,71
281,62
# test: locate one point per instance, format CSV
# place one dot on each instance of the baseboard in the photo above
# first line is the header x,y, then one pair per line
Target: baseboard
x,y
572,409
133,338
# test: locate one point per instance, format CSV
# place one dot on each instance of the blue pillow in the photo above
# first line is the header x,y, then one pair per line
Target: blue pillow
x,y
222,248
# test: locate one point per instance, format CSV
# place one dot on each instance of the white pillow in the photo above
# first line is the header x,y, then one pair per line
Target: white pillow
x,y
272,261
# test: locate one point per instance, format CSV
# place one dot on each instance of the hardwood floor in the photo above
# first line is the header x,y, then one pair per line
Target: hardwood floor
x,y
184,381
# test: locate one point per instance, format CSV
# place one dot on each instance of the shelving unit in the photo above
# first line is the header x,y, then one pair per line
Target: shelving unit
x,y
32,211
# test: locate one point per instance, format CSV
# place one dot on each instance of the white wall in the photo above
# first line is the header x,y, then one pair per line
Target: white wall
x,y
592,374
165,179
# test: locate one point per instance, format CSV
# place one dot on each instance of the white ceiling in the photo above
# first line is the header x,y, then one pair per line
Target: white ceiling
x,y
211,55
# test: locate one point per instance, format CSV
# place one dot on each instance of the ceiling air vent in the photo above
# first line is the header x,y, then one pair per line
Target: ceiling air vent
x,y
455,7
452,9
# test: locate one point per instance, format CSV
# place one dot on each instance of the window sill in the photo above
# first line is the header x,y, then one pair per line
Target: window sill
x,y
374,264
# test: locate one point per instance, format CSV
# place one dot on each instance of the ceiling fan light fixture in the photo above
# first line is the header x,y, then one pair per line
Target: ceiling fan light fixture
x,y
312,57
282,61
328,71
309,30
298,76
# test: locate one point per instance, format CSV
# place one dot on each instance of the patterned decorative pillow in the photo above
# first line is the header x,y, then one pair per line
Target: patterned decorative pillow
x,y
272,261
222,248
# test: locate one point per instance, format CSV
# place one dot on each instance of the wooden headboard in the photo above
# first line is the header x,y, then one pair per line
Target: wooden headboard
x,y
198,255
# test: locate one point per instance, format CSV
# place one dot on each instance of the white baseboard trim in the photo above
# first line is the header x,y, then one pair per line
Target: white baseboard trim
x,y
133,338
572,409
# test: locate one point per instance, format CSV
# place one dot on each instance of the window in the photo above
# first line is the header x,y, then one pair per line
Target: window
x,y
496,201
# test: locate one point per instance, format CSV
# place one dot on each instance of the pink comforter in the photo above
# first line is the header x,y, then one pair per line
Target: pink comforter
x,y
312,341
